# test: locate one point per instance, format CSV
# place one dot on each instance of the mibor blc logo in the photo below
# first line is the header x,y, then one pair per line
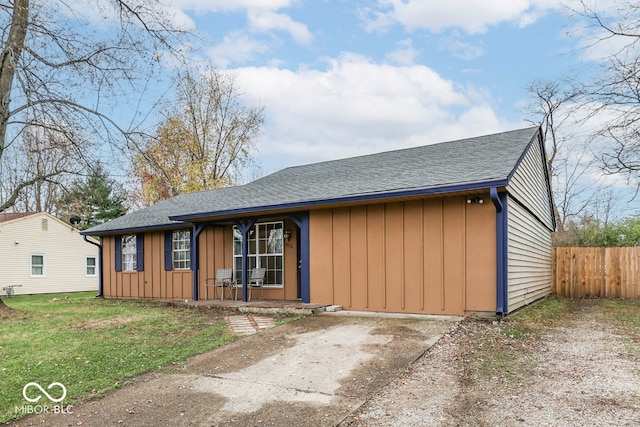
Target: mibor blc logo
x,y
34,396
43,391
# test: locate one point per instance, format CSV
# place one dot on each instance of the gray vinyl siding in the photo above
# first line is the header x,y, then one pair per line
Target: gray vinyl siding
x,y
529,185
529,257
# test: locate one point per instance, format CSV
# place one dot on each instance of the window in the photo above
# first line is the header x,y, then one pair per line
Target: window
x,y
91,264
265,251
181,249
129,252
37,265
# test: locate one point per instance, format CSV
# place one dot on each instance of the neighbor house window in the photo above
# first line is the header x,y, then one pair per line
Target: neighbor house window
x,y
91,266
37,265
265,251
129,251
181,249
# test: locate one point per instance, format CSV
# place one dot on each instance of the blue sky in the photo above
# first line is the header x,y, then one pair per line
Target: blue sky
x,y
342,78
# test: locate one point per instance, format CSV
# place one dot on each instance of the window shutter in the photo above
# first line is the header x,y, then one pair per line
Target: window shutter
x,y
118,253
168,250
140,252
192,243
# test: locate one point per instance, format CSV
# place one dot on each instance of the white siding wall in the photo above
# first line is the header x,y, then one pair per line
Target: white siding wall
x,y
529,185
529,257
529,231
65,254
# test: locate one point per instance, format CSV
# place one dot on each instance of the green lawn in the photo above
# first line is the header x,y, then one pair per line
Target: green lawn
x,y
92,345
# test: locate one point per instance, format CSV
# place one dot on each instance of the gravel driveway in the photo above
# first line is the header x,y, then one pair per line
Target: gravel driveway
x,y
582,372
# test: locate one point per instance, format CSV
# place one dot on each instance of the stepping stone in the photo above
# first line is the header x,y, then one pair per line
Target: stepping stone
x,y
249,324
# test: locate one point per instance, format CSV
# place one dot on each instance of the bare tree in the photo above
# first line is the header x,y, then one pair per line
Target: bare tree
x,y
205,142
63,68
615,93
49,160
67,67
552,108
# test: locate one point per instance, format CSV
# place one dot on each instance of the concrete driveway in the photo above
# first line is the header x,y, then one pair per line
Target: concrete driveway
x,y
312,372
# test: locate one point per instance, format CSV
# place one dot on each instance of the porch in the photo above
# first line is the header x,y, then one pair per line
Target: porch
x,y
255,306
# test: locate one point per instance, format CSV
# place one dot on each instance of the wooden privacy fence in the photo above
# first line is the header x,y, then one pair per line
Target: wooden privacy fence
x,y
596,272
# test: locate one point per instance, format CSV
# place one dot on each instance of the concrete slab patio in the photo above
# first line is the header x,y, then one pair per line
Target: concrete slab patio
x,y
312,372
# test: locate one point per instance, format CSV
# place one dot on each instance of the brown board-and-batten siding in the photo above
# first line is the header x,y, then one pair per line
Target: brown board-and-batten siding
x,y
530,223
431,256
151,282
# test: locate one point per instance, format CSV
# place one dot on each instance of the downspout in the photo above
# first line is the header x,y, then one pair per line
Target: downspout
x,y
195,264
101,275
499,201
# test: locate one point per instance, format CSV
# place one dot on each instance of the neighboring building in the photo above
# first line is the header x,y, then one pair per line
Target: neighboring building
x,y
39,254
450,228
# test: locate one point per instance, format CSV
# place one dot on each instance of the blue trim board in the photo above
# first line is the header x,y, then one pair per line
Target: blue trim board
x,y
244,227
195,256
135,230
305,281
303,205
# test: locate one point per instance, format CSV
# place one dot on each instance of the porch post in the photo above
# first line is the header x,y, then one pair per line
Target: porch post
x,y
305,286
195,262
245,227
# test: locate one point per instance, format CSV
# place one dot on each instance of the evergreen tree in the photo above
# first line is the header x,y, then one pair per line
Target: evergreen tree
x,y
94,200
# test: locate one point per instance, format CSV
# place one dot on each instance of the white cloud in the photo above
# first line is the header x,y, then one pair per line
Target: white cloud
x,y
470,16
231,5
266,21
103,13
235,48
405,54
355,106
461,49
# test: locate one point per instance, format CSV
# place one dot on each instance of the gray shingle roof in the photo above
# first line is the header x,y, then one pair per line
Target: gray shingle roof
x,y
446,165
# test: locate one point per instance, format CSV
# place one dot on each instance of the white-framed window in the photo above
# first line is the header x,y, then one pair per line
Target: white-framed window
x,y
91,266
129,254
266,250
38,267
181,249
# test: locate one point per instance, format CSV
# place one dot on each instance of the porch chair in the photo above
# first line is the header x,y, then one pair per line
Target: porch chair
x,y
223,280
256,280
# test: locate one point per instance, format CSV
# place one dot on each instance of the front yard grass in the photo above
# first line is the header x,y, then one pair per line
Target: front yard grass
x,y
92,345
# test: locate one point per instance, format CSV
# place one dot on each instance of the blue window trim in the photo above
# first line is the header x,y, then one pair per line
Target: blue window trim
x,y
139,252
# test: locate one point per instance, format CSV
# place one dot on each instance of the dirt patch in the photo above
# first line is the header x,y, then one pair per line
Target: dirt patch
x,y
584,372
111,322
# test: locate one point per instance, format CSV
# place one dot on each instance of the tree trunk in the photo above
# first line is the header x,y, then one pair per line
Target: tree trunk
x,y
3,306
10,56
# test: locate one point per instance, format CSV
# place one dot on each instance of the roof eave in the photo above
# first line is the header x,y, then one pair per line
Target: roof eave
x,y
129,230
368,197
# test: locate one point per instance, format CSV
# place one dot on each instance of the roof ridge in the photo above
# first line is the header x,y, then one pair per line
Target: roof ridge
x,y
399,150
